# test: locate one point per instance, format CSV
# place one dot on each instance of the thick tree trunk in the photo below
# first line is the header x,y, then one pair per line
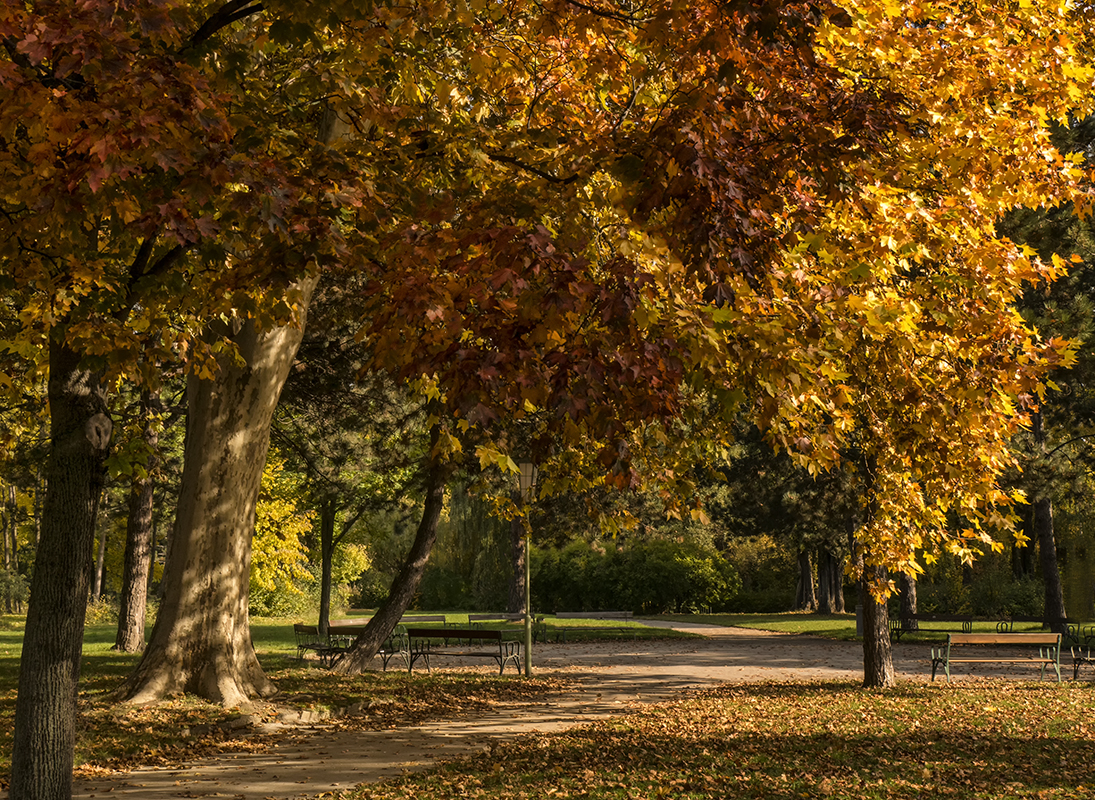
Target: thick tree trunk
x,y
383,622
878,670
138,547
517,562
805,596
201,642
45,711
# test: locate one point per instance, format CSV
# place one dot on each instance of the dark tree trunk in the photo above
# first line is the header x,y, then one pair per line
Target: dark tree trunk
x,y
49,669
1054,611
878,670
517,561
805,596
401,593
327,513
1051,575
137,565
1022,556
830,583
201,642
907,597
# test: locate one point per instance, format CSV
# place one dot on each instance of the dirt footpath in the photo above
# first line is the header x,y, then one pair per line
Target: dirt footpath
x,y
611,675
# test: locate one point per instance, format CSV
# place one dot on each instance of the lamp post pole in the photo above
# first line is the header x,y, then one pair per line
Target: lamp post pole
x,y
528,483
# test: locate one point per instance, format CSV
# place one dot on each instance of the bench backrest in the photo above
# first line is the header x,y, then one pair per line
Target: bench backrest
x,y
345,630
422,618
452,633
1004,638
500,617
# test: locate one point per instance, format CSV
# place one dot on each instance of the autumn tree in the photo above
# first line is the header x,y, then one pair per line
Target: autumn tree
x,y
135,209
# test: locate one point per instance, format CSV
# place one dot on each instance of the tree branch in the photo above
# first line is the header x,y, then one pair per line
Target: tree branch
x,y
547,176
230,12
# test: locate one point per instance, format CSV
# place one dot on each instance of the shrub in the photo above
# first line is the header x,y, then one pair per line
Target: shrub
x,y
647,577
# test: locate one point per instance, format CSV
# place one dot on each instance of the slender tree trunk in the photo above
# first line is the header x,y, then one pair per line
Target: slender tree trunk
x,y
517,561
133,603
370,640
1051,574
327,513
49,669
100,562
1054,609
878,669
201,642
805,596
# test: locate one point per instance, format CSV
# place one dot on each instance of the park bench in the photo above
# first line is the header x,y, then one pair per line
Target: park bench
x,y
424,645
1048,653
308,638
340,638
623,616
929,623
1073,633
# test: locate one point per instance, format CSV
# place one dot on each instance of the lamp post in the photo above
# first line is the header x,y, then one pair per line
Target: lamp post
x,y
528,484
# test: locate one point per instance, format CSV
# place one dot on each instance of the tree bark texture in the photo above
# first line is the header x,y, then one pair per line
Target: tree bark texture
x,y
49,669
201,641
878,670
805,596
401,593
137,563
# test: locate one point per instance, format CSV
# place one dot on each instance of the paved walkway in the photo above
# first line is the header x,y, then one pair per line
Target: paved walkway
x,y
613,676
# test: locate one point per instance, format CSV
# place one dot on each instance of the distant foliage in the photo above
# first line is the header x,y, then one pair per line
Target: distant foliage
x,y
13,588
280,579
647,577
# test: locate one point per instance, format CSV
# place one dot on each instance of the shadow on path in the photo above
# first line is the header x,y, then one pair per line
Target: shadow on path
x,y
614,676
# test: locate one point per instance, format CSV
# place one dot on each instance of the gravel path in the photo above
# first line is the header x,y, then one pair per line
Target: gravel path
x,y
612,675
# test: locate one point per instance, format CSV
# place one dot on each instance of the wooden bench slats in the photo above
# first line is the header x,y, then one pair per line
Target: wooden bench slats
x,y
1048,644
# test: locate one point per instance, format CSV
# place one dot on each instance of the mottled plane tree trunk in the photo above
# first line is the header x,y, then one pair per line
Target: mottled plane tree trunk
x,y
201,642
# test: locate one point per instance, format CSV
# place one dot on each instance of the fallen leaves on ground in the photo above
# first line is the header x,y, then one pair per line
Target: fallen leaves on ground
x,y
969,740
182,730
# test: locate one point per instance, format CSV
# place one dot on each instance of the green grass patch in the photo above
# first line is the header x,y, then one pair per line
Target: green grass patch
x,y
973,740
